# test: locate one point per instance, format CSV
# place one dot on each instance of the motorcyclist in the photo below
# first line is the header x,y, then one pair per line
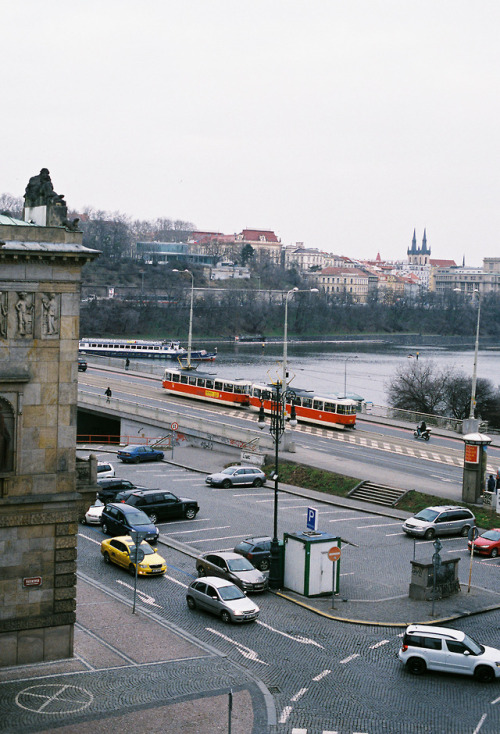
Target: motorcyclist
x,y
421,428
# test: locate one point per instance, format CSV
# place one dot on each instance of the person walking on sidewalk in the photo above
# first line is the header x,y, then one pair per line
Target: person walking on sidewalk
x,y
108,393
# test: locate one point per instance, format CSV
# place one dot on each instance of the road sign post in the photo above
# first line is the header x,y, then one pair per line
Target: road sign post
x,y
334,556
137,536
312,518
173,428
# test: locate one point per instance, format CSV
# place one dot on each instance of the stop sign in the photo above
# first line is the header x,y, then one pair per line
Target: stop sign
x,y
334,553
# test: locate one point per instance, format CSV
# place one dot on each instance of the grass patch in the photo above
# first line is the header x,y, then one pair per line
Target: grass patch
x,y
321,480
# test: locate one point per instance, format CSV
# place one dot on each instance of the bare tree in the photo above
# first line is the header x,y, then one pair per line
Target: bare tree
x,y
12,206
419,386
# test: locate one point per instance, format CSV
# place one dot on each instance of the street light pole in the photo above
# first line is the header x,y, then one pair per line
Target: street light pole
x,y
190,333
474,371
285,331
345,373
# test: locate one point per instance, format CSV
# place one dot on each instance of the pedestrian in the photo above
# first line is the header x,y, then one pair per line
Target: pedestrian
x,y
127,363
107,393
492,485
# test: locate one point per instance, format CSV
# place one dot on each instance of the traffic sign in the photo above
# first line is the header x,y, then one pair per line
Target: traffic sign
x,y
312,518
334,553
174,426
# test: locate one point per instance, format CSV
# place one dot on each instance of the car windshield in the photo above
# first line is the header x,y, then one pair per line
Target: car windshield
x,y
138,518
491,535
229,470
228,593
148,551
239,564
427,515
473,646
244,546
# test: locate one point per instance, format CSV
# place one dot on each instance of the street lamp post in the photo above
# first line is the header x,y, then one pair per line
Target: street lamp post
x,y
279,396
285,331
474,371
345,373
190,333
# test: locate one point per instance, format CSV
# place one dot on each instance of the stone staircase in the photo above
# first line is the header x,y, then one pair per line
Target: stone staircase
x,y
377,494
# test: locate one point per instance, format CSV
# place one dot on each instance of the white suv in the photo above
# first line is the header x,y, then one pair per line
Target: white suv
x,y
440,648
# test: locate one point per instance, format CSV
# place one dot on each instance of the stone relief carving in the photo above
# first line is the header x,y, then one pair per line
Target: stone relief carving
x,y
50,313
4,310
24,311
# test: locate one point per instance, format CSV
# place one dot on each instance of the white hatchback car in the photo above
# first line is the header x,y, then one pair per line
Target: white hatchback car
x,y
105,469
93,514
440,648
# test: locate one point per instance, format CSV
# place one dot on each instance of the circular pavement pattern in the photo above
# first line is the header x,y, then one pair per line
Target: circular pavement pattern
x,y
54,698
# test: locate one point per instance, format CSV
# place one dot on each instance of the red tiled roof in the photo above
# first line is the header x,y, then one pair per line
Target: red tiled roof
x,y
253,235
443,263
343,271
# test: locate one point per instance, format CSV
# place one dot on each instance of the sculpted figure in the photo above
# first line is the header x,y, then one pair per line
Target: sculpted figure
x,y
49,313
3,315
24,309
40,192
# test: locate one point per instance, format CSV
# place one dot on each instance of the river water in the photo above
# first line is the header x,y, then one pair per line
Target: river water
x,y
364,366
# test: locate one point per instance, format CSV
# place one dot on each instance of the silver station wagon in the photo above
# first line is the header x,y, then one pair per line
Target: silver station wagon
x,y
222,598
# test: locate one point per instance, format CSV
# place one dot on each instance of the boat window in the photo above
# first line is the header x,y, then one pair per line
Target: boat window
x,y
307,402
330,407
192,380
175,377
318,404
156,348
228,387
218,385
184,379
210,384
200,381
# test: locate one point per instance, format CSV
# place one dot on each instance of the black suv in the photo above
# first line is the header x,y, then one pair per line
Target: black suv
x,y
257,551
118,519
109,488
160,505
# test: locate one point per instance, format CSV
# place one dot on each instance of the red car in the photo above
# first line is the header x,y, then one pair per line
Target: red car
x,y
488,544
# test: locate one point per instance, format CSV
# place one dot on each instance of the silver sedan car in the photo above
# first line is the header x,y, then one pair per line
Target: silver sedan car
x,y
235,476
222,598
232,567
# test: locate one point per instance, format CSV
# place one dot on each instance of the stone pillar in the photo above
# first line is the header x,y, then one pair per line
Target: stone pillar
x,y
40,272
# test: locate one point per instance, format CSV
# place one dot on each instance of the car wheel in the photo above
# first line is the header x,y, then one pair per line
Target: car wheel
x,y
264,565
105,528
416,666
465,531
494,553
83,521
153,518
226,483
225,616
191,602
257,483
429,534
484,673
190,514
136,460
107,559
201,571
131,569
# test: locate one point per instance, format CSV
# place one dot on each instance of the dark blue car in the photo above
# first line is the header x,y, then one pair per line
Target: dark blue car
x,y
135,454
120,519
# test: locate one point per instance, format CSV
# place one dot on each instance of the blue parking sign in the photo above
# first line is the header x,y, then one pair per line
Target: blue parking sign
x,y
312,518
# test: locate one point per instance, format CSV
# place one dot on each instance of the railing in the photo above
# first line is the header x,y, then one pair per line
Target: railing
x,y
413,417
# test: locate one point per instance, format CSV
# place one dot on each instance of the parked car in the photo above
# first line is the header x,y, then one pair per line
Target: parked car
x,y
235,476
109,488
82,365
135,454
222,598
438,648
105,470
232,567
488,544
257,551
440,520
120,519
160,505
93,514
121,551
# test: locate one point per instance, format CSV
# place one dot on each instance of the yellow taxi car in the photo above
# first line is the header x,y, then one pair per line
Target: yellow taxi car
x,y
121,550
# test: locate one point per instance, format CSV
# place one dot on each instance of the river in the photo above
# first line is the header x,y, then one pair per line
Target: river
x,y
365,366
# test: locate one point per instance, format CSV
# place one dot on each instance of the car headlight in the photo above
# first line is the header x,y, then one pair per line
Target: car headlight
x,y
238,614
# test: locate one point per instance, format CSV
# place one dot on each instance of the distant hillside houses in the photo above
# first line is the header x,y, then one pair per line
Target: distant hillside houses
x,y
335,274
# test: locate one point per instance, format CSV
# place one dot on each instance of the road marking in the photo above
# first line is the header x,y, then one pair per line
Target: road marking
x,y
199,530
143,597
382,525
245,651
378,644
348,660
299,694
391,535
171,578
299,638
93,540
495,701
481,722
210,540
344,519
322,675
285,714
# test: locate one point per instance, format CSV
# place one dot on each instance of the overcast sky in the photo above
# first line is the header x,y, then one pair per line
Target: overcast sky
x,y
342,125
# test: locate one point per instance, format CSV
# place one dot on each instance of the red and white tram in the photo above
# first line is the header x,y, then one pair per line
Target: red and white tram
x,y
207,387
309,408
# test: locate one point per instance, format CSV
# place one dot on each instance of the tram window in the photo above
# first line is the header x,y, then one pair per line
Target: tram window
x,y
318,404
175,378
218,385
200,381
184,379
237,389
192,380
341,409
297,402
228,387
307,403
210,384
330,407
